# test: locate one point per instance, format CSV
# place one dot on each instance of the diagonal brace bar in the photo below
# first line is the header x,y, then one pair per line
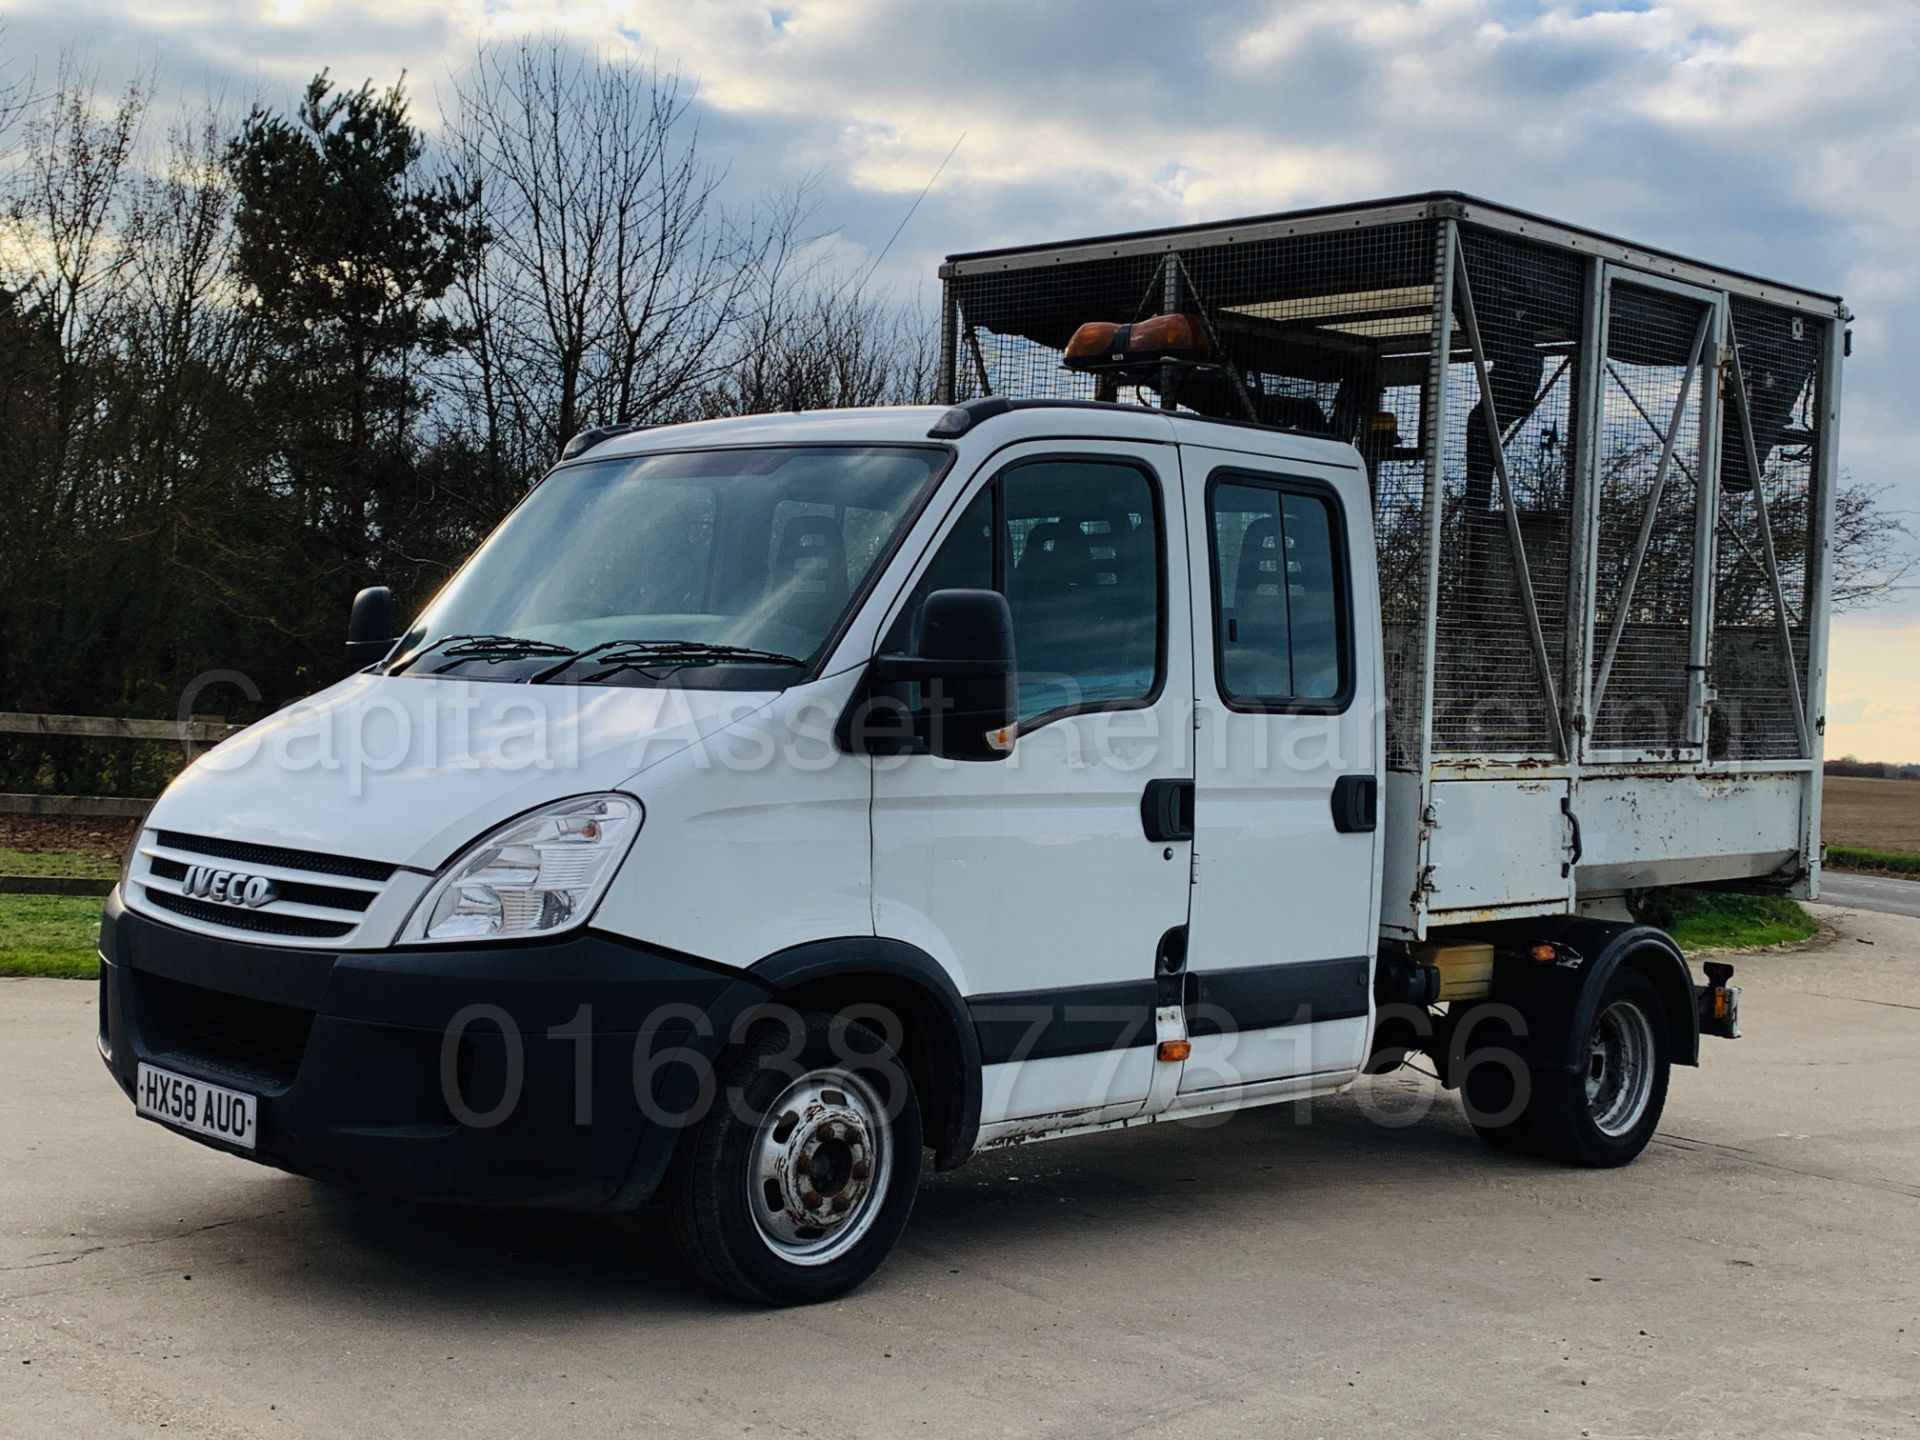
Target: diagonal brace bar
x,y
1623,603
1523,577
1213,338
1651,423
979,359
1685,469
1511,427
1771,559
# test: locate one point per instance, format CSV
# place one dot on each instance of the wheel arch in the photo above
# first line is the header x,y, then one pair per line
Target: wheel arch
x,y
941,1049
1560,1000
1659,959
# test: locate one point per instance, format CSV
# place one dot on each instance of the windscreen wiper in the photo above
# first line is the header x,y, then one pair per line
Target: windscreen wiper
x,y
491,648
613,656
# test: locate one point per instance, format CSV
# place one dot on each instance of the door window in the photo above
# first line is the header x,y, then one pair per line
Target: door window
x,y
1076,547
1279,596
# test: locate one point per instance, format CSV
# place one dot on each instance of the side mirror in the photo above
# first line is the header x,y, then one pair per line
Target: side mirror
x,y
966,673
369,627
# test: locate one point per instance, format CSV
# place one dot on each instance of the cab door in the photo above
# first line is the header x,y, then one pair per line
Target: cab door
x,y
1287,759
1035,880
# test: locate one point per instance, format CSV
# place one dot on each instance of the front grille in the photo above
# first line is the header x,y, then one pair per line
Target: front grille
x,y
255,1037
236,917
295,890
245,854
315,897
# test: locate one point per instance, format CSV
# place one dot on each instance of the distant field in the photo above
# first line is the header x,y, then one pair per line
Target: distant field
x,y
1881,815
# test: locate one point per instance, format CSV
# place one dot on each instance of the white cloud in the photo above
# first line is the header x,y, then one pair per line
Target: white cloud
x,y
1769,135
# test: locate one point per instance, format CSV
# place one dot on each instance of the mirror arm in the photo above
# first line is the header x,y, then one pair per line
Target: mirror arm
x,y
362,653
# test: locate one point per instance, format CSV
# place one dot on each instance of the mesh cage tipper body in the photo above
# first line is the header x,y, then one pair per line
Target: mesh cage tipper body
x,y
1603,492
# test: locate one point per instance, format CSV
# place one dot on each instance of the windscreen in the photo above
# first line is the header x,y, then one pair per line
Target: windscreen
x,y
726,568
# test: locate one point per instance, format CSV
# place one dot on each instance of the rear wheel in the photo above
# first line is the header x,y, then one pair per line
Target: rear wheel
x,y
1604,1113
799,1180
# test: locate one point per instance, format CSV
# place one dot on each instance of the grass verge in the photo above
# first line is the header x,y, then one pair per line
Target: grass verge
x,y
85,864
1722,920
53,935
56,935
1885,862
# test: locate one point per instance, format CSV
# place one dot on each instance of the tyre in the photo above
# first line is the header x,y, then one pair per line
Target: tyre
x,y
1489,1092
1490,1089
798,1181
1604,1114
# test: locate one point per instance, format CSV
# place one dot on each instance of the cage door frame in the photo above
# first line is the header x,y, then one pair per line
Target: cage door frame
x,y
1701,382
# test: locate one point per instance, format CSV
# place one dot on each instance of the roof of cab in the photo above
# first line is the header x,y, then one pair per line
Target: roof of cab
x,y
1027,420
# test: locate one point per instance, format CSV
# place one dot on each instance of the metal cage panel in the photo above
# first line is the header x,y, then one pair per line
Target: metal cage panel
x,y
1562,431
1506,489
1763,577
1653,450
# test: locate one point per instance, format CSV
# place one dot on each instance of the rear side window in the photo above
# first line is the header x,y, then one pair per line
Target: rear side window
x,y
1075,546
1279,586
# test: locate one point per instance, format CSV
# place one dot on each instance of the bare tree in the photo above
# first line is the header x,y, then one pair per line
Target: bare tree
x,y
60,225
186,348
809,337
78,150
611,272
16,94
1872,547
178,501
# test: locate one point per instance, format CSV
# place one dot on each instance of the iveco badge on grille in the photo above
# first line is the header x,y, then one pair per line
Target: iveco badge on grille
x,y
230,887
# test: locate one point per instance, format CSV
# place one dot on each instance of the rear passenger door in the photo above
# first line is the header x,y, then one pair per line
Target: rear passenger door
x,y
1286,763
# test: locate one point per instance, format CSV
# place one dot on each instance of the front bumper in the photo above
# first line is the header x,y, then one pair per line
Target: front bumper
x,y
555,1073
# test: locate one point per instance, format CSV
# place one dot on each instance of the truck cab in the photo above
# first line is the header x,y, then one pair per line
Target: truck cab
x,y
770,800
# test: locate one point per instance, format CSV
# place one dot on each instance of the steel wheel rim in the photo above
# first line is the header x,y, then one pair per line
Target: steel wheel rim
x,y
1619,1068
822,1160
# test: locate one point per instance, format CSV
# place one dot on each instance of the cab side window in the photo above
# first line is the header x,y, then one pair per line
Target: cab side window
x,y
1279,595
1076,547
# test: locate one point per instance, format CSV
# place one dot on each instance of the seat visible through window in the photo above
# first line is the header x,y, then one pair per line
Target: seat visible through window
x,y
1077,554
810,568
1279,618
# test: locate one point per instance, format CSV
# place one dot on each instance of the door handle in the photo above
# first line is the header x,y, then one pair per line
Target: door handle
x,y
1356,803
1166,810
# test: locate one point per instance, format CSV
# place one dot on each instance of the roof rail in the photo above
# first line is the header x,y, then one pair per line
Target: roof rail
x,y
587,439
960,418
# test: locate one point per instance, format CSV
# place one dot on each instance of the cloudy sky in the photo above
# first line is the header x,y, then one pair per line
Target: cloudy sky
x,y
1776,136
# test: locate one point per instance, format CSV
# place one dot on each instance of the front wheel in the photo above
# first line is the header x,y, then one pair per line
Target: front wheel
x,y
799,1180
1605,1113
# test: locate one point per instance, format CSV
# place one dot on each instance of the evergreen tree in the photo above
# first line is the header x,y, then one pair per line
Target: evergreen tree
x,y
345,243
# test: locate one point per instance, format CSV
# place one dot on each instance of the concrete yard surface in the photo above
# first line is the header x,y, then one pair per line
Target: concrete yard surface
x,y
1298,1271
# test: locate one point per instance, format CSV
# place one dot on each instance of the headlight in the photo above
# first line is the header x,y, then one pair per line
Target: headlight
x,y
536,875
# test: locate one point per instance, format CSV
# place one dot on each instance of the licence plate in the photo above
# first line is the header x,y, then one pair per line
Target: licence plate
x,y
189,1104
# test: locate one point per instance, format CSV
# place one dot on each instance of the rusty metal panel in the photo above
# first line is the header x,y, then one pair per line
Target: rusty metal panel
x,y
1646,830
1498,843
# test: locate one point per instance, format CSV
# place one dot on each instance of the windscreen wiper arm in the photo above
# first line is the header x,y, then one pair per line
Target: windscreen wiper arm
x,y
617,655
491,648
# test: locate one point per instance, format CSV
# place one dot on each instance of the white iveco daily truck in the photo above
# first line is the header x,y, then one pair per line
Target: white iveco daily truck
x,y
1292,644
